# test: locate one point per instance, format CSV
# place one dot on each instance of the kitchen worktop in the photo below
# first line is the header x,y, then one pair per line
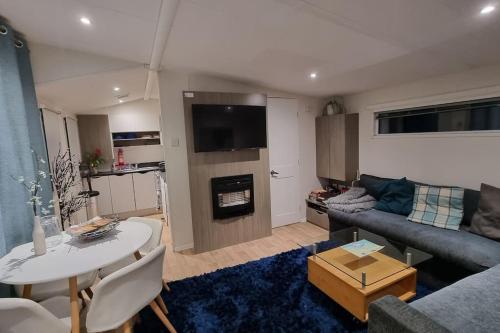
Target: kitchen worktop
x,y
141,168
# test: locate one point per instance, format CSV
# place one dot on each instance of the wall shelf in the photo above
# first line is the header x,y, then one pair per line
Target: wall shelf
x,y
127,139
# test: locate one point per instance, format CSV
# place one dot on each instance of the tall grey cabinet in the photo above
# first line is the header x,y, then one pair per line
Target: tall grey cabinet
x,y
337,147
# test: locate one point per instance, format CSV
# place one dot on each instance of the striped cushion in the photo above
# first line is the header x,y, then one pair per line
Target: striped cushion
x,y
441,207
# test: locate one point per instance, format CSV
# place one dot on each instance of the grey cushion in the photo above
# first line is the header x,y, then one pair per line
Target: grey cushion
x,y
470,305
391,315
468,250
471,197
486,221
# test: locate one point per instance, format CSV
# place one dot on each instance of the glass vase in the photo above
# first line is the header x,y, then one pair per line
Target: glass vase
x,y
52,229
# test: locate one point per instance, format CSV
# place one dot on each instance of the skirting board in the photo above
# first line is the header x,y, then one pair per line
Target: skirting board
x,y
141,212
183,247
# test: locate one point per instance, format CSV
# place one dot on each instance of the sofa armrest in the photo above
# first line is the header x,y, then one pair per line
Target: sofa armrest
x,y
391,315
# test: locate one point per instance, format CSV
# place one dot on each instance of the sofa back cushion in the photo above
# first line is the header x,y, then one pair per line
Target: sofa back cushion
x,y
471,197
486,221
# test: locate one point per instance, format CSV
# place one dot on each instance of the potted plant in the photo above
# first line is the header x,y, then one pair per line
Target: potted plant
x,y
94,160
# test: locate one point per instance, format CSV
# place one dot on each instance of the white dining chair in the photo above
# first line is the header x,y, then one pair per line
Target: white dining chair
x,y
19,315
155,240
122,294
43,291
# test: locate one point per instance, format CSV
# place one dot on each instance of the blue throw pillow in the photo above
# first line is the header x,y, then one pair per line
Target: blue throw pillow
x,y
395,196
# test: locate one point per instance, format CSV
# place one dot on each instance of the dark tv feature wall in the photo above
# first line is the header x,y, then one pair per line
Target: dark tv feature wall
x,y
228,127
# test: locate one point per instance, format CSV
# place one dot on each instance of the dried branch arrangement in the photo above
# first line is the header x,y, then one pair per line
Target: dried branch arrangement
x,y
66,178
34,187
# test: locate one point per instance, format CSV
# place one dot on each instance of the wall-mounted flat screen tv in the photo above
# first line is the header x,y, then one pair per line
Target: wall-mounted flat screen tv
x,y
228,127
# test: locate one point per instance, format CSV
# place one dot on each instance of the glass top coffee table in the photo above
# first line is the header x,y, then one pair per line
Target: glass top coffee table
x,y
352,279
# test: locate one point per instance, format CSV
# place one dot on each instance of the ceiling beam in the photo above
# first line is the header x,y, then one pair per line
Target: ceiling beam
x,y
165,20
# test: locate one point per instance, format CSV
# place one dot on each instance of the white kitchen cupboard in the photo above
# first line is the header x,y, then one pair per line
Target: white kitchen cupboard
x,y
61,133
122,193
145,190
55,134
130,117
104,203
164,197
73,139
71,129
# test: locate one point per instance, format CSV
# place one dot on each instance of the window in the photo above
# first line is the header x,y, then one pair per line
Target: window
x,y
477,115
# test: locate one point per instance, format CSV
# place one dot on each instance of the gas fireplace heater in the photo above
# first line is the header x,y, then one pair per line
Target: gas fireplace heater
x,y
232,196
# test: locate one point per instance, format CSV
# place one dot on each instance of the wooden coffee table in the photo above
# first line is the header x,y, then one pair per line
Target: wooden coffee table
x,y
354,282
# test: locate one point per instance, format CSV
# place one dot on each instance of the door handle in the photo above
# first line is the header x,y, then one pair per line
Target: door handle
x,y
274,173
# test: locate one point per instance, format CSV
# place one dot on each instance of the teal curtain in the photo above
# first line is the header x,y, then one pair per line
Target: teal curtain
x,y
20,133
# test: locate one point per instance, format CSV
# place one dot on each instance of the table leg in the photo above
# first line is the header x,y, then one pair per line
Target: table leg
x,y
27,291
127,327
75,313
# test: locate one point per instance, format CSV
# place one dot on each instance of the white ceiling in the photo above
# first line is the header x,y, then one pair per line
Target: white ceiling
x,y
84,94
354,45
120,28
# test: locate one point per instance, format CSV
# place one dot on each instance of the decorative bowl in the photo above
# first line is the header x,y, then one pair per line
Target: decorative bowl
x,y
98,233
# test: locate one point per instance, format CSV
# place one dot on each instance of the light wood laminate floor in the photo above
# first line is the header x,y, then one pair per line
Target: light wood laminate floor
x,y
179,265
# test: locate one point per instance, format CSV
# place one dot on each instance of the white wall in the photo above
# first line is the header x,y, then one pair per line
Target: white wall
x,y
135,116
455,159
171,85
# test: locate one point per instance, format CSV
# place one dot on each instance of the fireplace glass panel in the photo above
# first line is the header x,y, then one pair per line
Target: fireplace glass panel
x,y
232,196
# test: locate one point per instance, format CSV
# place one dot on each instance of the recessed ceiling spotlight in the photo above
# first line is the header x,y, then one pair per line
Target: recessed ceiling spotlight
x,y
85,20
487,9
313,75
120,101
116,88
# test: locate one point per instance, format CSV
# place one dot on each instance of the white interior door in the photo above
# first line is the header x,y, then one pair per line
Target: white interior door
x,y
283,132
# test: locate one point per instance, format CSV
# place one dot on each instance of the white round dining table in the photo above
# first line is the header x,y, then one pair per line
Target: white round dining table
x,y
71,258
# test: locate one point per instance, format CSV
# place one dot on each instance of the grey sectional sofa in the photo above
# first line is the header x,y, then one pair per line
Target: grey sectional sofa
x,y
462,248
471,305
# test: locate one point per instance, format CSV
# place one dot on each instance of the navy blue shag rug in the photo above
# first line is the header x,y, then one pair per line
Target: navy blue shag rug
x,y
267,295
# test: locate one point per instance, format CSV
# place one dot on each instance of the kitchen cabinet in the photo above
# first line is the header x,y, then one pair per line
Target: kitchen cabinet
x,y
94,133
61,133
104,203
322,148
55,134
164,196
145,190
127,193
136,119
122,193
73,139
337,146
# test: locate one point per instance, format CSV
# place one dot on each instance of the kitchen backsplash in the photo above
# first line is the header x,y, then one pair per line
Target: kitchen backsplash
x,y
141,154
